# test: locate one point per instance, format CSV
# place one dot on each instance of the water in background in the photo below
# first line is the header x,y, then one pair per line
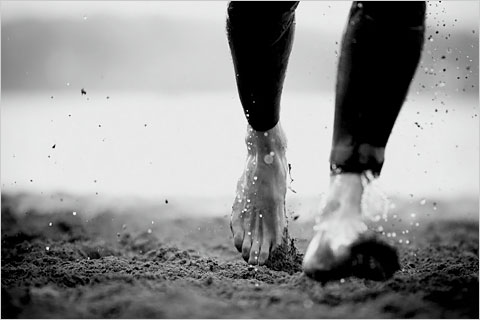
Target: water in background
x,y
155,145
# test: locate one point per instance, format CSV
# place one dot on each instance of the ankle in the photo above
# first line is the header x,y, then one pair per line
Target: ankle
x,y
266,142
346,188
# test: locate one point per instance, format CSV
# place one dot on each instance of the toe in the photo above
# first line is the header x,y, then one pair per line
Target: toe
x,y
246,246
254,252
263,257
237,231
266,247
265,250
238,240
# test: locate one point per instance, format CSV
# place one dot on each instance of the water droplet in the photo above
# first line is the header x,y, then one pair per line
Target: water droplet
x,y
380,228
68,84
261,215
47,248
149,230
249,233
255,178
342,280
394,234
423,201
85,17
266,134
272,153
412,215
153,222
407,242
74,213
268,159
248,200
400,241
50,224
417,224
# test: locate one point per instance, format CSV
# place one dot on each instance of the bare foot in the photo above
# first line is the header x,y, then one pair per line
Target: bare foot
x,y
342,245
258,213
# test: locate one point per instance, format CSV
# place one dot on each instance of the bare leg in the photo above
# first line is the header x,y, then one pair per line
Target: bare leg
x,y
380,52
260,36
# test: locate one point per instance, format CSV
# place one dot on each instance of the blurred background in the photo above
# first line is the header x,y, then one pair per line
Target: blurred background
x,y
137,100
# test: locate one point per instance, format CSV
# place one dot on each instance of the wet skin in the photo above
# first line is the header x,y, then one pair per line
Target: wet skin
x,y
341,246
258,214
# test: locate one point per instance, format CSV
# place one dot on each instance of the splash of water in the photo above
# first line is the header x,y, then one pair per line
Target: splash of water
x,y
374,201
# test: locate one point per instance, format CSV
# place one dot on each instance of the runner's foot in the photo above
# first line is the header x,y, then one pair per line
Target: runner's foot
x,y
258,217
342,245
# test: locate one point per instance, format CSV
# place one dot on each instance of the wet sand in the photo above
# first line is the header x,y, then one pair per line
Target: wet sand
x,y
120,265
